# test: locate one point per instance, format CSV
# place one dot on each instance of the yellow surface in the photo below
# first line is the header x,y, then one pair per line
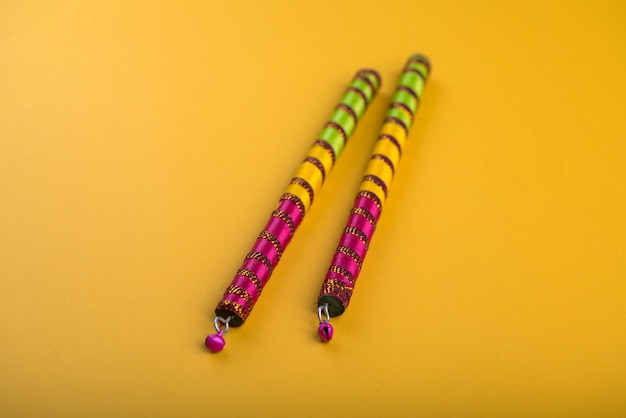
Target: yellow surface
x,y
143,146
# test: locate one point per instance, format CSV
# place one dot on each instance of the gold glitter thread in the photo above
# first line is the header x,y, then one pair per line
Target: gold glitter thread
x,y
343,272
323,155
349,111
421,60
268,236
377,181
338,288
253,255
373,197
249,274
396,132
404,108
338,128
317,164
416,71
312,176
388,148
299,181
353,230
301,193
352,254
241,292
410,91
398,122
381,169
366,80
284,216
234,308
366,214
370,186
385,160
295,200
373,73
323,144
391,139
360,93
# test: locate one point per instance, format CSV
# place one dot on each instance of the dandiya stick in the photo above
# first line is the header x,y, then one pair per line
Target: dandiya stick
x,y
250,279
338,285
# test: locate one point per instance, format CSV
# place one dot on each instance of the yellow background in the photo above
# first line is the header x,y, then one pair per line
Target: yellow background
x,y
144,144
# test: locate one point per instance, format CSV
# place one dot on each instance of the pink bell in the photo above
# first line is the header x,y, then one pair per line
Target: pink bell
x,y
325,331
215,342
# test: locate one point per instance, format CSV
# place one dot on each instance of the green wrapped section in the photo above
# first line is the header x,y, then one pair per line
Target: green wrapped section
x,y
334,139
373,78
423,59
365,87
357,97
345,119
415,80
423,67
408,79
405,98
411,83
419,67
400,114
412,80
355,102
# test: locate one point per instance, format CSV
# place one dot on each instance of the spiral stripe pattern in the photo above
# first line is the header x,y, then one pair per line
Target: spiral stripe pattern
x,y
244,291
353,245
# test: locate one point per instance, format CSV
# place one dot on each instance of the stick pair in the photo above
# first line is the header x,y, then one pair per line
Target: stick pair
x,y
337,288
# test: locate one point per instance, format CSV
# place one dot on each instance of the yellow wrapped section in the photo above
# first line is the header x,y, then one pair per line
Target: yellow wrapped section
x,y
302,192
395,131
389,150
311,174
370,186
380,169
323,156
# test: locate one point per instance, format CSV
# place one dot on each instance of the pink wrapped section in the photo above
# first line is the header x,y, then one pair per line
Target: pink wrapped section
x,y
280,229
292,210
352,241
248,286
369,205
265,247
260,269
347,263
362,224
235,299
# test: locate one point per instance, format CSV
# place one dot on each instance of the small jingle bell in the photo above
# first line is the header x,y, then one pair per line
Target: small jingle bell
x,y
215,342
325,331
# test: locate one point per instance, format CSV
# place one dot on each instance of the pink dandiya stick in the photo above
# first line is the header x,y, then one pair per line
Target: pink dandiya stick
x,y
250,279
347,261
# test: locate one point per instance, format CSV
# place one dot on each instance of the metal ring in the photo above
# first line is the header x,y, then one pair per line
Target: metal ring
x,y
225,322
323,314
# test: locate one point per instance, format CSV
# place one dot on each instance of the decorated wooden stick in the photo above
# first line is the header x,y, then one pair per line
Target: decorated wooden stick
x,y
354,242
258,265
